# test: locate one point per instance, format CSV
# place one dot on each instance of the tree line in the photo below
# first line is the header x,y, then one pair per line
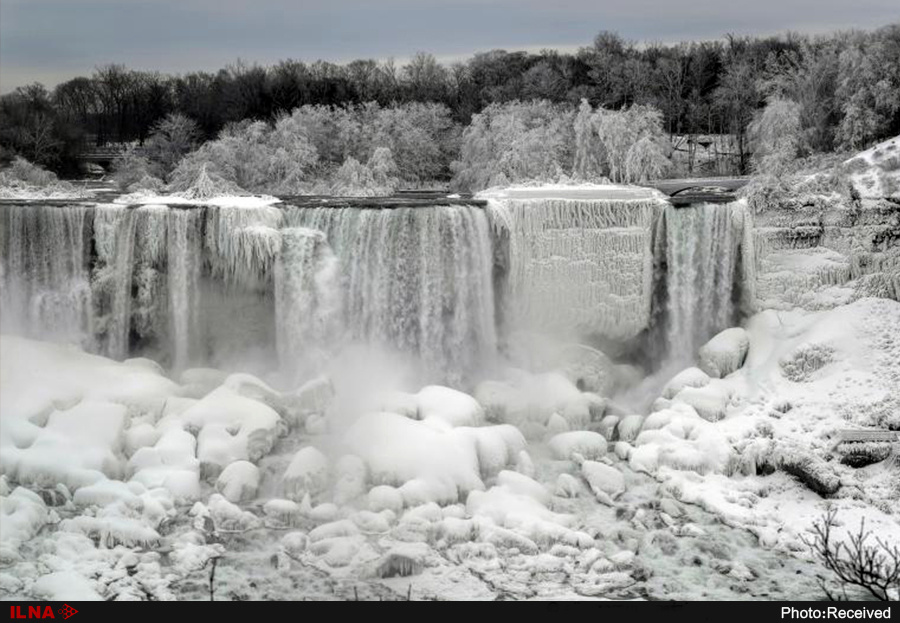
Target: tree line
x,y
846,87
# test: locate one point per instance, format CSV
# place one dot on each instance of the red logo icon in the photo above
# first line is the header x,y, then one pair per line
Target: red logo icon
x,y
66,611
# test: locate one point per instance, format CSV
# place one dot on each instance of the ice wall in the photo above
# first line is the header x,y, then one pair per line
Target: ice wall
x,y
580,259
826,252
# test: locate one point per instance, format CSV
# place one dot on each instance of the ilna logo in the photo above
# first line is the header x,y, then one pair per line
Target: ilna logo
x,y
38,612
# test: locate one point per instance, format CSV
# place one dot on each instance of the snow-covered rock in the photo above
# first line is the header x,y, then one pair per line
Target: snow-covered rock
x,y
603,479
724,353
239,481
588,444
689,377
307,474
452,406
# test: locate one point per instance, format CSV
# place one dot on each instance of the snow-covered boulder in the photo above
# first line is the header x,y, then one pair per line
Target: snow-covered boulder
x,y
450,405
231,428
306,474
171,463
629,427
588,444
710,402
398,451
603,479
725,353
690,377
238,482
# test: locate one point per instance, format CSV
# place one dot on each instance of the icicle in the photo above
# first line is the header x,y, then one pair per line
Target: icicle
x,y
243,243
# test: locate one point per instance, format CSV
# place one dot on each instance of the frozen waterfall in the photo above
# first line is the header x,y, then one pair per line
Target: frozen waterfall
x,y
287,287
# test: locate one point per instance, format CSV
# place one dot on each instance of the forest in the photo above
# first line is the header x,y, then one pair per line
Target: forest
x,y
842,91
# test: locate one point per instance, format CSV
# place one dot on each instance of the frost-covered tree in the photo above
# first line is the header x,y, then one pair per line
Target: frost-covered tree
x,y
383,170
776,136
646,160
588,148
171,138
255,157
634,143
515,142
869,88
132,170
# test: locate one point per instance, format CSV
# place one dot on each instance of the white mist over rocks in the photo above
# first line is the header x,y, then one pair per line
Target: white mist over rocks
x,y
548,392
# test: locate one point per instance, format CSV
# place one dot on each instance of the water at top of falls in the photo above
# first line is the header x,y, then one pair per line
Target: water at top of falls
x,y
703,246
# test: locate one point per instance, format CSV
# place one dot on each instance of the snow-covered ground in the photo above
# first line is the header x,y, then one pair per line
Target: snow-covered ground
x,y
121,483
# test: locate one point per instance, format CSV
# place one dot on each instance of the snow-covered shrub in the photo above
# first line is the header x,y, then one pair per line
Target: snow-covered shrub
x,y
864,453
22,179
132,170
202,183
805,360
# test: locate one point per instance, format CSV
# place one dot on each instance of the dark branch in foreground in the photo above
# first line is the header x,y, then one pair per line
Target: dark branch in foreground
x,y
861,560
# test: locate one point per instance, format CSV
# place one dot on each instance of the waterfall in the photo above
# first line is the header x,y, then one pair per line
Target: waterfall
x,y
115,229
307,301
703,246
417,280
185,259
44,272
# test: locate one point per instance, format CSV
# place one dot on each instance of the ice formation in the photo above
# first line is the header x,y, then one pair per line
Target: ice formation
x,y
580,258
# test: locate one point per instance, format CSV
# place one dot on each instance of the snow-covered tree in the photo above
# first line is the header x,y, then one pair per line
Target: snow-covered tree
x,y
515,142
132,171
634,143
646,160
588,148
776,136
171,138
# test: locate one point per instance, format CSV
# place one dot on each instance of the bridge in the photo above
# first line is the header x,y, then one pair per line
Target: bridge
x,y
686,191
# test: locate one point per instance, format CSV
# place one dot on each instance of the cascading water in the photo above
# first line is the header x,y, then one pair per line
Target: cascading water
x,y
417,280
307,301
702,250
184,262
44,271
115,230
210,284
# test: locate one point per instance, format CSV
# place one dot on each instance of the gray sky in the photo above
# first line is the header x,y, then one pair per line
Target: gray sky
x,y
53,40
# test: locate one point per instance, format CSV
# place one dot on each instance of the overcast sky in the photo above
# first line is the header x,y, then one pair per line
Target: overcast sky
x,y
53,40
